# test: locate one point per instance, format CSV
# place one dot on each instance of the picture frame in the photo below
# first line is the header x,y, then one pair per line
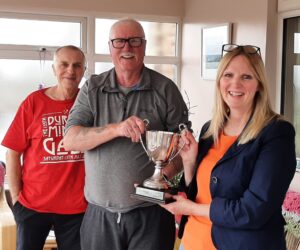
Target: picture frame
x,y
213,37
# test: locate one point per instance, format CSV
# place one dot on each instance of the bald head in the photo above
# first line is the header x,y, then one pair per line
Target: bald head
x,y
126,23
66,48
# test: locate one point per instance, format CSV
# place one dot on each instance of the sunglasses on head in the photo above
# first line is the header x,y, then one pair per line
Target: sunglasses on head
x,y
249,49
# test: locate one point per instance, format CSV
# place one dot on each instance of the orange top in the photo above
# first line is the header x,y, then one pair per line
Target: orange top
x,y
197,232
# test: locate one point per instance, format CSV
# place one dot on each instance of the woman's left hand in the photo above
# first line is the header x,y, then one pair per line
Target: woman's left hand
x,y
181,205
184,206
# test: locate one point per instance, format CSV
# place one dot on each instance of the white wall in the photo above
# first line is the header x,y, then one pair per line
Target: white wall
x,y
140,7
254,22
250,26
295,184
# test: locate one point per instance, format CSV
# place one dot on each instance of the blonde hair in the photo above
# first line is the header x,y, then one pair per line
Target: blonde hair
x,y
262,112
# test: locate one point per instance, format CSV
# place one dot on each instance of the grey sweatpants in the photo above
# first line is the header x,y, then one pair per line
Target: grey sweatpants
x,y
147,228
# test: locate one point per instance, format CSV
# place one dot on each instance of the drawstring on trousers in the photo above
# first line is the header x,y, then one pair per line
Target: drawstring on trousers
x,y
119,218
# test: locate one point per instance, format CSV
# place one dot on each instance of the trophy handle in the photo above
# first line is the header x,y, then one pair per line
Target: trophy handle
x,y
181,127
146,121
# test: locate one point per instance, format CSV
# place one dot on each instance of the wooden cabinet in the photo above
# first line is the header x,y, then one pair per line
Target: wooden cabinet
x,y
8,229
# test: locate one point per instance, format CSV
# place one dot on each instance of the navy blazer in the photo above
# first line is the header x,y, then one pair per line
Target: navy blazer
x,y
248,185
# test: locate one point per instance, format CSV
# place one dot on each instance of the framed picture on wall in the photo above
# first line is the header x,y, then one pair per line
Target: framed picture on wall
x,y
213,37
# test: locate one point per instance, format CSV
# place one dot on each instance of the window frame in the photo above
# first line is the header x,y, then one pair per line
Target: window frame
x,y
12,51
175,60
87,20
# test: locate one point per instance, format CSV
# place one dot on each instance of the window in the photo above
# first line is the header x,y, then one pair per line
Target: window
x,y
161,37
169,70
24,66
102,66
42,33
27,43
161,49
31,32
290,98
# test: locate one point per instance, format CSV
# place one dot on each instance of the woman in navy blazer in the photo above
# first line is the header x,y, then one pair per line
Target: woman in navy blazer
x,y
249,182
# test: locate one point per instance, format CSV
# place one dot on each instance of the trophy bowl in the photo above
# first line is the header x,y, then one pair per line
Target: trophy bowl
x,y
162,148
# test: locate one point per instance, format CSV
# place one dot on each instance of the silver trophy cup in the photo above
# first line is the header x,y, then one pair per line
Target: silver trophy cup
x,y
162,148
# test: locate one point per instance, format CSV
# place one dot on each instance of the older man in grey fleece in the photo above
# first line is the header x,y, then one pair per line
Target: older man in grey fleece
x,y
106,122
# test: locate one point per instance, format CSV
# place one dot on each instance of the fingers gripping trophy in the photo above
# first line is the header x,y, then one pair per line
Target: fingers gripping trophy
x,y
161,147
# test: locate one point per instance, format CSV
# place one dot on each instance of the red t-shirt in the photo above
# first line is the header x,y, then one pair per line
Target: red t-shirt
x,y
53,178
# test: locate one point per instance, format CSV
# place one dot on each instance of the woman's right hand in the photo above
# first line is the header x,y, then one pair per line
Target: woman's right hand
x,y
189,150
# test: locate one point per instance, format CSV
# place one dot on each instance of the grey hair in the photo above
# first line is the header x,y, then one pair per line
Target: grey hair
x,y
126,20
71,47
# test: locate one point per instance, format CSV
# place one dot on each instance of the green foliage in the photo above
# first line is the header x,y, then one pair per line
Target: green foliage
x,y
176,179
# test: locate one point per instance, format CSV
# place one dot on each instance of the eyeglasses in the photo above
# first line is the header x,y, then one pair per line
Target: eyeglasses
x,y
248,49
134,42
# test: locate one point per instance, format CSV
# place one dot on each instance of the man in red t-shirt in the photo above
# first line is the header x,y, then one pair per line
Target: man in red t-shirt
x,y
46,181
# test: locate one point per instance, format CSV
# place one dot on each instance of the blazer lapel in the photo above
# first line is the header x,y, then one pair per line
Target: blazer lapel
x,y
234,150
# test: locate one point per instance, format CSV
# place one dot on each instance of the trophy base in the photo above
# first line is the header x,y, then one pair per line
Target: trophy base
x,y
162,196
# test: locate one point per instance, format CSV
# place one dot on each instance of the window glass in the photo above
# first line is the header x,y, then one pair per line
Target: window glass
x,y
161,37
100,67
297,43
39,32
290,99
102,35
25,73
169,70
